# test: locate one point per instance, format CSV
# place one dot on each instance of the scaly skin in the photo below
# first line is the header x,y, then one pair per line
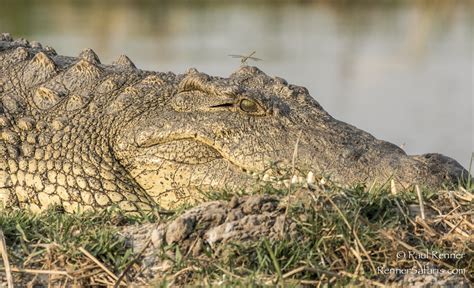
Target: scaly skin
x,y
84,135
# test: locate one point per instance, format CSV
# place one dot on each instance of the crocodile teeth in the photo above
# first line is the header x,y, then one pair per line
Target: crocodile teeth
x,y
310,177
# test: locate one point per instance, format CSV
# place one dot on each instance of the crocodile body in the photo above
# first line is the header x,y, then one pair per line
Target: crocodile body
x,y
84,135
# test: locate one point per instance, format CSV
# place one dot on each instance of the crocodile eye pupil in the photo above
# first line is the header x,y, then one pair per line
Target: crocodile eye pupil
x,y
248,106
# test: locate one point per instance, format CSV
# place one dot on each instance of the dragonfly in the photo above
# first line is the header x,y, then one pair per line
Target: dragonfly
x,y
244,58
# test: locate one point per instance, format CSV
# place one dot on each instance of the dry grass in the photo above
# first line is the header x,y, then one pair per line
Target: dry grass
x,y
337,236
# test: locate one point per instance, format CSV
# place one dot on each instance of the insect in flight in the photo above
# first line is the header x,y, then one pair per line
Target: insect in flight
x,y
244,58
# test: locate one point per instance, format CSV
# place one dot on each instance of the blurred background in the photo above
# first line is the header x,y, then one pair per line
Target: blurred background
x,y
401,70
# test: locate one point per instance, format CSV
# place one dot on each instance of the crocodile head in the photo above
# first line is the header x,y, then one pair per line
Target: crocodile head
x,y
84,135
226,133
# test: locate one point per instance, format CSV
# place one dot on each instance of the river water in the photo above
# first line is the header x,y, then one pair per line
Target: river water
x,y
401,70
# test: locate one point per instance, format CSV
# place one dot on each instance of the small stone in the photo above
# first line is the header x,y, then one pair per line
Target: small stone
x,y
198,247
310,178
180,228
266,178
234,202
157,237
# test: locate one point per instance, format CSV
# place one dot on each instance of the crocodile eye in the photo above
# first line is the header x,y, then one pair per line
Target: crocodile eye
x,y
249,106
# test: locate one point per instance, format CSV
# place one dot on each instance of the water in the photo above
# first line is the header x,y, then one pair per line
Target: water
x,y
401,70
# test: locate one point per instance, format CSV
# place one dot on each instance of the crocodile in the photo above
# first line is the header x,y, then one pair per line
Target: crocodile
x,y
82,135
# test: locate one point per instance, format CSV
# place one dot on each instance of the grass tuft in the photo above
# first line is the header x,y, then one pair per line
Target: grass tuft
x,y
334,236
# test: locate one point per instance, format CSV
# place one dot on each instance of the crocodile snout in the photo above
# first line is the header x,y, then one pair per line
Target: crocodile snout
x,y
444,168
